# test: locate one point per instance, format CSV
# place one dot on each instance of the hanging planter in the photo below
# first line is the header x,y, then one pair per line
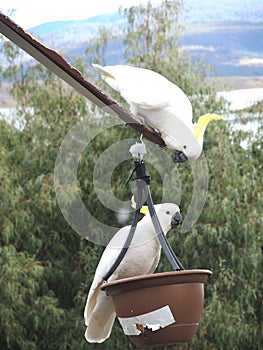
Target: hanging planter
x,y
159,309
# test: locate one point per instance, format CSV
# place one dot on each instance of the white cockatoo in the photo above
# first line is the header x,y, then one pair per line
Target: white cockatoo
x,y
161,104
142,257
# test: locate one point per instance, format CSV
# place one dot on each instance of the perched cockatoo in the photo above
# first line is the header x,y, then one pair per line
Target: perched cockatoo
x,y
161,104
142,258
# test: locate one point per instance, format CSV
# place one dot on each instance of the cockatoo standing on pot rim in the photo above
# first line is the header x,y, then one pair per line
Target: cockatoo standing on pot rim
x,y
141,258
163,105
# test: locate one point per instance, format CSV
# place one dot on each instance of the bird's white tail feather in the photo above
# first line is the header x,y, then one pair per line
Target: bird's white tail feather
x,y
91,301
100,322
97,334
102,70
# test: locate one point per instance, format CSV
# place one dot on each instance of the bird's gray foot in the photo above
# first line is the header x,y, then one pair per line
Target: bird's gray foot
x,y
141,119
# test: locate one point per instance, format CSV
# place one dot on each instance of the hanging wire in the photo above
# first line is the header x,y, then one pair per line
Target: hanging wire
x,y
170,255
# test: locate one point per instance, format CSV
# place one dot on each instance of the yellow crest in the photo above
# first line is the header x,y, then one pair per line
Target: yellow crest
x,y
203,121
144,209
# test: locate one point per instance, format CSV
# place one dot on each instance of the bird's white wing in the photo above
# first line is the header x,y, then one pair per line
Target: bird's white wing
x,y
145,88
105,262
107,259
99,313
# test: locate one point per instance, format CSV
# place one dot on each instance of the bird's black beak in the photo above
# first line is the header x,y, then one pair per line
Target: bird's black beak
x,y
179,157
177,219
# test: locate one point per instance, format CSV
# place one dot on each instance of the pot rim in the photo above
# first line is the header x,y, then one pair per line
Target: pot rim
x,y
172,277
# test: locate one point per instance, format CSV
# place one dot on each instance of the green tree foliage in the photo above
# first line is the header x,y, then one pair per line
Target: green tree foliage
x,y
46,268
152,33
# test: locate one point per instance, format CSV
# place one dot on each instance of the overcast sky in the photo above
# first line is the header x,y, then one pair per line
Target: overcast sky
x,y
30,13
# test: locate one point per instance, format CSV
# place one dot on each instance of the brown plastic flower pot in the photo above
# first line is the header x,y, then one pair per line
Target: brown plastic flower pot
x,y
159,309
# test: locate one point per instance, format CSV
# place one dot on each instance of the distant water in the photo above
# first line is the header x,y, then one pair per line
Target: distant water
x,y
9,114
240,99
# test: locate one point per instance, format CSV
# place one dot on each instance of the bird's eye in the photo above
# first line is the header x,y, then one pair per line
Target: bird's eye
x,y
167,212
184,146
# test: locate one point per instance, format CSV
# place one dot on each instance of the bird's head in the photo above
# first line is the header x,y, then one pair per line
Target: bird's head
x,y
169,211
169,215
194,148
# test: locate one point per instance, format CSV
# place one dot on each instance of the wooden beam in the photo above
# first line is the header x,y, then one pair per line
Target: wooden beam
x,y
59,66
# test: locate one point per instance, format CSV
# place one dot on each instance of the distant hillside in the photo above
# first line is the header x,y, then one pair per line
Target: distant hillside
x,y
232,47
226,34
63,32
192,11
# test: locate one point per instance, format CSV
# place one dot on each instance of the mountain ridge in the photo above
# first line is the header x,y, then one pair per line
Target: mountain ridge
x,y
227,36
231,47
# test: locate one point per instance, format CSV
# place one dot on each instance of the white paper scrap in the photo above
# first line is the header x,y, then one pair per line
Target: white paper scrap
x,y
153,320
138,150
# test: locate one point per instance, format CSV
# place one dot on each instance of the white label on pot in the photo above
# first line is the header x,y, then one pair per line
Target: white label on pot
x,y
153,320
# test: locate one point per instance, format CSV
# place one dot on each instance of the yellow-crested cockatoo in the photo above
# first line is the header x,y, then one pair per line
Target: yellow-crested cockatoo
x,y
162,105
142,257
